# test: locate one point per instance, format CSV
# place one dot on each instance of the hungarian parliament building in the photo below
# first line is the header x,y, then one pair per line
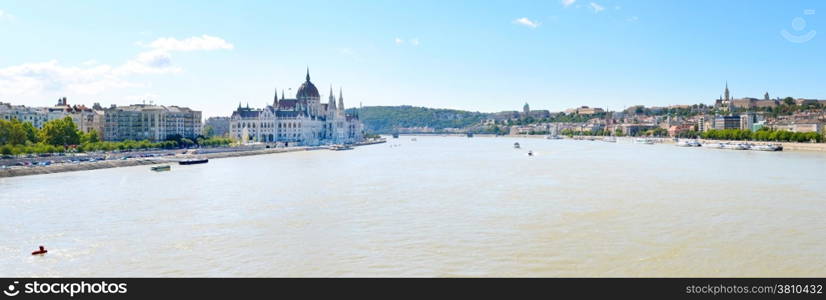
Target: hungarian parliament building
x,y
303,120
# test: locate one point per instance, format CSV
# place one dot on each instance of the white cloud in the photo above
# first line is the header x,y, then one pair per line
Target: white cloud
x,y
399,41
4,16
633,19
526,22
567,3
414,41
596,7
92,78
33,78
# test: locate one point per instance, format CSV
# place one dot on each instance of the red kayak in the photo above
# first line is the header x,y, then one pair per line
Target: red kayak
x,y
41,251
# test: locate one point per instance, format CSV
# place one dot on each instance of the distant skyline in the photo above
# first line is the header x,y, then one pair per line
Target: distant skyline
x,y
472,55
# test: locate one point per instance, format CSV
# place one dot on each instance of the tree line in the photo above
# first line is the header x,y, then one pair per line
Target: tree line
x,y
763,134
62,135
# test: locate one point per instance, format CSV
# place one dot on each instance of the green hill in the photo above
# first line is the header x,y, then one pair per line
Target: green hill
x,y
385,119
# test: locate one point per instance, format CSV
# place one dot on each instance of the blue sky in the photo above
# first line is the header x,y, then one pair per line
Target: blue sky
x,y
474,55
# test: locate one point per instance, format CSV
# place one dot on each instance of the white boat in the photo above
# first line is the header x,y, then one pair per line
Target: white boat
x,y
553,137
688,143
737,146
715,145
516,146
609,139
340,147
767,147
644,141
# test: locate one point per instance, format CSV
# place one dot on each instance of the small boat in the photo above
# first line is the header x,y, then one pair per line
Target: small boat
x,y
715,145
194,161
161,168
767,147
689,143
395,135
609,139
644,141
340,147
470,134
516,146
738,146
530,153
413,139
553,137
42,250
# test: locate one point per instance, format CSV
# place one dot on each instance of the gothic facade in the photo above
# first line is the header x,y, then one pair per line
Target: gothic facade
x,y
302,120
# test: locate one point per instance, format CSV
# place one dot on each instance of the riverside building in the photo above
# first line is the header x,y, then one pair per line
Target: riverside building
x,y
150,122
302,120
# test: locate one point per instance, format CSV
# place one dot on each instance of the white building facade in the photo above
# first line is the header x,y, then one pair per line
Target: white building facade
x,y
303,120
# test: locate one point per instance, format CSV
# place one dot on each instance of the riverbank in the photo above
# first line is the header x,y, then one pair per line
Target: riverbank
x,y
85,166
787,146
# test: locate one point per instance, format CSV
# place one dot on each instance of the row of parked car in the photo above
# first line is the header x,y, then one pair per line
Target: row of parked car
x,y
21,162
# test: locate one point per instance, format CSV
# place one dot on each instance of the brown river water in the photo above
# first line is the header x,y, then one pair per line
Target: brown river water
x,y
439,206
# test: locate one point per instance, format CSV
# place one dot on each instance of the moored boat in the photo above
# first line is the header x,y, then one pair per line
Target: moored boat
x,y
161,168
767,147
516,145
736,146
688,143
193,161
340,147
644,141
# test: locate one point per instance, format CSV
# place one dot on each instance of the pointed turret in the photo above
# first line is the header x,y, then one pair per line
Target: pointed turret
x,y
308,73
331,103
726,92
275,99
340,100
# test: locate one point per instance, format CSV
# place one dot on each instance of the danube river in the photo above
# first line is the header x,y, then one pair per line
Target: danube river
x,y
439,206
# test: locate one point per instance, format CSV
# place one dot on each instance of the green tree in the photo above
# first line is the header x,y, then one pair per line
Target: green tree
x,y
90,137
12,132
209,131
60,132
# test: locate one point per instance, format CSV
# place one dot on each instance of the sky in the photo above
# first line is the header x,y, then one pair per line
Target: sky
x,y
473,55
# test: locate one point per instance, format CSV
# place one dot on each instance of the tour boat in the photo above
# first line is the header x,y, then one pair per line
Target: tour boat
x,y
161,168
516,146
715,145
609,139
768,147
738,146
194,161
553,137
644,141
340,147
688,143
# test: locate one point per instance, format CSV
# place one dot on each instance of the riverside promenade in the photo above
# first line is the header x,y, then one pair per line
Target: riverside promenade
x,y
202,153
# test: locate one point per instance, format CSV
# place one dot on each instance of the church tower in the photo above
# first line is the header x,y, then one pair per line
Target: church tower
x,y
526,109
726,92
